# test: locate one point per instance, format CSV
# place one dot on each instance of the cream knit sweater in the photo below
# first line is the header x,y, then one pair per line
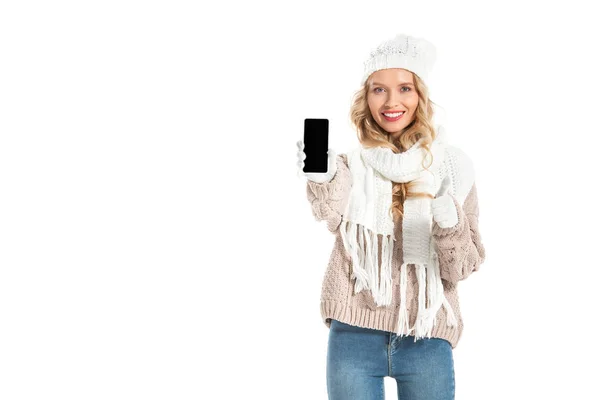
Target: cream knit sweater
x,y
461,252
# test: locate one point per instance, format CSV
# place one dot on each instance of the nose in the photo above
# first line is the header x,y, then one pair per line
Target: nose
x,y
392,102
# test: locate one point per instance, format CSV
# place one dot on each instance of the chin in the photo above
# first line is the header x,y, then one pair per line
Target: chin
x,y
396,130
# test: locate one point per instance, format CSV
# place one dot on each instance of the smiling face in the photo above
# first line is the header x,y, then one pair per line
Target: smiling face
x,y
391,91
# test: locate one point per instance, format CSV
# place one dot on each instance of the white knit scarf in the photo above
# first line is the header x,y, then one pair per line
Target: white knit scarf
x,y
368,217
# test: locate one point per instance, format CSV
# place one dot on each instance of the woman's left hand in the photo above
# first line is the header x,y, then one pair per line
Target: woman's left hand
x,y
443,207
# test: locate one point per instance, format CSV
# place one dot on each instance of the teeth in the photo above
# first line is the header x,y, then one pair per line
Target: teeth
x,y
393,115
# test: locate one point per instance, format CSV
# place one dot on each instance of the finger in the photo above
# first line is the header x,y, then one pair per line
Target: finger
x,y
441,219
440,206
331,160
444,187
300,144
439,215
442,215
440,201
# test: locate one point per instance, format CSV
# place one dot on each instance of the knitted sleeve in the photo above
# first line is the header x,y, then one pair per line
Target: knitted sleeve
x,y
328,200
460,248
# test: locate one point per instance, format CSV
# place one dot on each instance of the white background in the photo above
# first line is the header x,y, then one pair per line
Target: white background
x,y
156,243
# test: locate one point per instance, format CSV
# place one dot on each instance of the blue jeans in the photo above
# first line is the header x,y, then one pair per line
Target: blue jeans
x,y
359,358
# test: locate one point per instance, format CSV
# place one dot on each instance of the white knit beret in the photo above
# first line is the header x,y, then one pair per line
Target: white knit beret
x,y
403,51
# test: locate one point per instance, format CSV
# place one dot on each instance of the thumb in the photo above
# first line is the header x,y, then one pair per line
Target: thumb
x,y
331,160
444,187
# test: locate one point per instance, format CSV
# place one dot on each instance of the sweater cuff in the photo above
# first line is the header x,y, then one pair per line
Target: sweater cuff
x,y
321,190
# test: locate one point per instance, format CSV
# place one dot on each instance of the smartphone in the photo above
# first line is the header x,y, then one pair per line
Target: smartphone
x,y
316,144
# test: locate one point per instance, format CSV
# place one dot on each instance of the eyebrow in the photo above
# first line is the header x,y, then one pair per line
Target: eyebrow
x,y
403,83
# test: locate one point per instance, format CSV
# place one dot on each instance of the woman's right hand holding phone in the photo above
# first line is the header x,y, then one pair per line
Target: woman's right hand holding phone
x,y
317,177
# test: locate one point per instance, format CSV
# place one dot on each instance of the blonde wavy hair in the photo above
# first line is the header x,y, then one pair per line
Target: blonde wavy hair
x,y
370,134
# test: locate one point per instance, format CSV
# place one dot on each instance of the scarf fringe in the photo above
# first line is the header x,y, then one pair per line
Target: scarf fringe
x,y
363,246
426,315
403,328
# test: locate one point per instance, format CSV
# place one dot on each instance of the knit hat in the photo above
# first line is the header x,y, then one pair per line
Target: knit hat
x,y
414,54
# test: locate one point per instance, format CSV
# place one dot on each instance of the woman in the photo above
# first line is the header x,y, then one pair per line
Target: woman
x,y
403,206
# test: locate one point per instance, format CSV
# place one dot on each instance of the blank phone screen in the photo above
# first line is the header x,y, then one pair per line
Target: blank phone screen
x,y
316,144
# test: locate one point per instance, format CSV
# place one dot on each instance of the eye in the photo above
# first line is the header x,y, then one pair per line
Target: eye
x,y
403,87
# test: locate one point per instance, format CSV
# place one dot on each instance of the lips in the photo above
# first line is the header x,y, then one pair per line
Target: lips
x,y
392,119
